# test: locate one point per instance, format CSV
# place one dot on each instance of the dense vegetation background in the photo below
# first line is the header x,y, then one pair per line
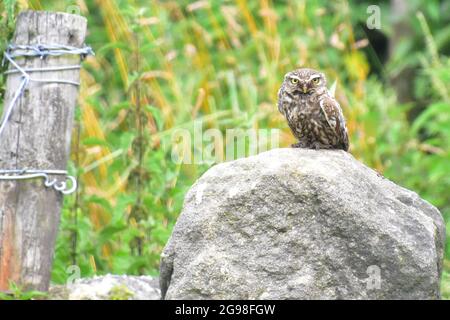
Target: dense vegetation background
x,y
160,65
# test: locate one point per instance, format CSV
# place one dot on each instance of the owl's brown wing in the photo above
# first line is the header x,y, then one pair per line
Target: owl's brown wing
x,y
335,119
280,101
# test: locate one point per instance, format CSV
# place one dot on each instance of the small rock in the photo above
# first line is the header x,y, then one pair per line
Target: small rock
x,y
108,287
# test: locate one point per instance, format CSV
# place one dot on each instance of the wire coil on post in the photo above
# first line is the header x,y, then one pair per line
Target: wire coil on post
x,y
41,51
25,174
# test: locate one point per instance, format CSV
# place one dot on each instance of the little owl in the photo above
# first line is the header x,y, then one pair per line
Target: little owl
x,y
314,116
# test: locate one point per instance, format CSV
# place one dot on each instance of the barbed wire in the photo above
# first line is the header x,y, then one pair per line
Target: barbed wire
x,y
39,50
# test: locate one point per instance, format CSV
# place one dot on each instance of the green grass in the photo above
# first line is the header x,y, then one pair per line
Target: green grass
x,y
445,285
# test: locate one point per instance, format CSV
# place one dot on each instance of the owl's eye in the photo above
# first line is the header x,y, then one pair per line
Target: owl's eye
x,y
294,80
316,80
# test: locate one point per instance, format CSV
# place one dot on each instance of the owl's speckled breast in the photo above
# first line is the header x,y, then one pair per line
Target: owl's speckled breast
x,y
307,121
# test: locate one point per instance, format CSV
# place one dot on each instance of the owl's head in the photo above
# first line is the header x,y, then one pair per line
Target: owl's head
x,y
304,81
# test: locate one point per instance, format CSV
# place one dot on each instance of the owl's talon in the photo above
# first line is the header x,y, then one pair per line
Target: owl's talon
x,y
298,145
318,146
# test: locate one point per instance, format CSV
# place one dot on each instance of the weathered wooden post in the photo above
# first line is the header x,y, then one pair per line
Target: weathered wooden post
x,y
37,136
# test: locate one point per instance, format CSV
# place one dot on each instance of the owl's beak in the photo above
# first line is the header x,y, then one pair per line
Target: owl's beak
x,y
304,89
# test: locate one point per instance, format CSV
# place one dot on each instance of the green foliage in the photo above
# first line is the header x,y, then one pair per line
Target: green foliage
x,y
424,160
18,293
445,285
162,65
7,10
120,292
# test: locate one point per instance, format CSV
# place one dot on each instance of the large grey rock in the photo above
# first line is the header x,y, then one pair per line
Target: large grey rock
x,y
302,224
108,287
